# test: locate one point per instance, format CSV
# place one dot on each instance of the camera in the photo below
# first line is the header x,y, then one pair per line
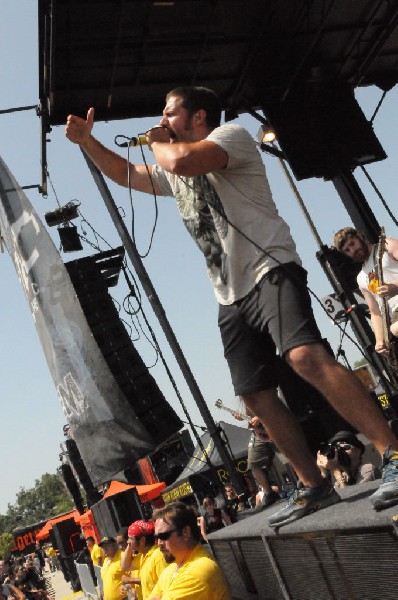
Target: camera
x,y
330,452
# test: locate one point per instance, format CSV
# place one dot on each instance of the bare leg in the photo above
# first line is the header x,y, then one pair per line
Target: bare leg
x,y
261,476
344,391
286,432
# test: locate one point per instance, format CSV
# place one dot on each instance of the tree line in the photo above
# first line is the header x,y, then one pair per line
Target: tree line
x,y
47,498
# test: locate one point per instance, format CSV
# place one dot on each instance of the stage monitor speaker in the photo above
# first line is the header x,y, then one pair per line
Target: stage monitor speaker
x,y
90,281
67,537
322,130
117,511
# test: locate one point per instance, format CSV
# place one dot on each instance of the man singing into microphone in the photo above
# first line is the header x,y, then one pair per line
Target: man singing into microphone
x,y
219,182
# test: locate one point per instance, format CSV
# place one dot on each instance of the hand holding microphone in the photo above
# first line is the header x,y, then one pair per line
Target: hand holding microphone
x,y
159,133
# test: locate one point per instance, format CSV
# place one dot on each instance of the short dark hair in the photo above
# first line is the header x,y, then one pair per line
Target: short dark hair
x,y
179,515
197,98
90,539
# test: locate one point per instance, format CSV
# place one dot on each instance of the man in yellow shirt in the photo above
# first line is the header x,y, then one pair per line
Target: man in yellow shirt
x,y
111,570
52,555
96,553
144,555
194,575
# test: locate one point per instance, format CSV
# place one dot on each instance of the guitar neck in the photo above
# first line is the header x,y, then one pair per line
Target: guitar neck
x,y
384,308
240,415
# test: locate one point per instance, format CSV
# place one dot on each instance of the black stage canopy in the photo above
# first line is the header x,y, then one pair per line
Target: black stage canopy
x,y
123,56
197,471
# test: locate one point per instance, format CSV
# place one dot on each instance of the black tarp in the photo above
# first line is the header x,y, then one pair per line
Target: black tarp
x,y
103,423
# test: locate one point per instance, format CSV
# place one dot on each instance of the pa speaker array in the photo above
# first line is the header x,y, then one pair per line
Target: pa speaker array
x,y
90,281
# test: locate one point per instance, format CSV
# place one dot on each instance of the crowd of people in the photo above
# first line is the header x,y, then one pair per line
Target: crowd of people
x,y
161,559
168,557
22,577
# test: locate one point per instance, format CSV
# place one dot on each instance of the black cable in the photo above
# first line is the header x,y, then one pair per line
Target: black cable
x,y
132,204
384,203
378,106
164,362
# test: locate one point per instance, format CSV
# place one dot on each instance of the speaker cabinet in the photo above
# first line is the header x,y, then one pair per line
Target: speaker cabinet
x,y
322,129
90,280
66,537
117,511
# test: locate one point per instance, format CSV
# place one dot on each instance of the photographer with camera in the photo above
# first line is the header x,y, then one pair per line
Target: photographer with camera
x,y
341,458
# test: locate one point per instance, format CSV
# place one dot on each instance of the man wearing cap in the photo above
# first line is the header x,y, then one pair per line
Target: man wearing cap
x,y
111,570
195,574
342,458
149,562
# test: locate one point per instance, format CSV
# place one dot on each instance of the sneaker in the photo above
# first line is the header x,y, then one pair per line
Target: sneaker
x,y
304,501
387,494
267,500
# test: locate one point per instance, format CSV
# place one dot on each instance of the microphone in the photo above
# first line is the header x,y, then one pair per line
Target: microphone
x,y
345,311
141,140
353,308
134,141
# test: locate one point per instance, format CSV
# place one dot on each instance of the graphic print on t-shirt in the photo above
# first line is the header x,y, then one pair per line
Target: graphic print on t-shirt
x,y
194,198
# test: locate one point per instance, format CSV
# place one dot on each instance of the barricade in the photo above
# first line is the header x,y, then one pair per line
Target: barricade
x,y
87,581
97,571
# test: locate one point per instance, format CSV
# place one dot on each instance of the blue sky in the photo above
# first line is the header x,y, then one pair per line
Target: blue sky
x,y
32,418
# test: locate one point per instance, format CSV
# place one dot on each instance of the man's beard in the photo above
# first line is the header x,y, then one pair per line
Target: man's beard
x,y
363,253
168,556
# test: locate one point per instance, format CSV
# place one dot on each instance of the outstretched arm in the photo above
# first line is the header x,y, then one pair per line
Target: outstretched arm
x,y
114,166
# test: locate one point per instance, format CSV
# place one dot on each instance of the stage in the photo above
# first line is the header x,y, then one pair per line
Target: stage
x,y
345,552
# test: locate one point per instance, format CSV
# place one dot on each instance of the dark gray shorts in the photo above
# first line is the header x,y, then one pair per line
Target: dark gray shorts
x,y
260,453
275,315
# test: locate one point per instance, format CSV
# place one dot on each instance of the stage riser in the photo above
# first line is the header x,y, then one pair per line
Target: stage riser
x,y
358,564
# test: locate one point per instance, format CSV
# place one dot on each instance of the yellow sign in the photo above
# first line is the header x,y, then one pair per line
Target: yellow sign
x,y
182,490
384,401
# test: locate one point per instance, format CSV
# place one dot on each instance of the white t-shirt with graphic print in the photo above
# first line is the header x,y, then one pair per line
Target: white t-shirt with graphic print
x,y
215,206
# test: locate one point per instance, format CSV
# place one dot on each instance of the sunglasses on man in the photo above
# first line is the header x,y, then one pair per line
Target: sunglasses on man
x,y
164,535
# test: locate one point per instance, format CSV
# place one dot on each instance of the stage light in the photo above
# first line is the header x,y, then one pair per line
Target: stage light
x,y
266,134
70,240
63,214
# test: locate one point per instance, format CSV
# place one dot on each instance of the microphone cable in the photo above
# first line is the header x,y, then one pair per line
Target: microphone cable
x,y
155,222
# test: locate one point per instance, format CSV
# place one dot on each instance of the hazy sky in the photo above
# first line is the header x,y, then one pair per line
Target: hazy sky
x,y
32,418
